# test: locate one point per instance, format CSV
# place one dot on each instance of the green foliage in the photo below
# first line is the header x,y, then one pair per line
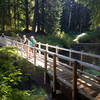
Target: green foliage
x,y
59,39
9,33
90,37
94,5
35,94
75,17
93,72
12,70
9,52
9,74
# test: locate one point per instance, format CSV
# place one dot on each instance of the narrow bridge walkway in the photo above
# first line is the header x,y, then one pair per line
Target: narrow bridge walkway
x,y
66,67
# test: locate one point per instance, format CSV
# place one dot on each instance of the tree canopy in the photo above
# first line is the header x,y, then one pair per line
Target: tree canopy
x,y
49,16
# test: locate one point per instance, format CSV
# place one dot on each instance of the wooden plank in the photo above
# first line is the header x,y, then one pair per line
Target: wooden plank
x,y
85,94
65,82
90,81
90,75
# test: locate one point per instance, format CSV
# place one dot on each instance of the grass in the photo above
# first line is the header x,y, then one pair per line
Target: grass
x,y
92,72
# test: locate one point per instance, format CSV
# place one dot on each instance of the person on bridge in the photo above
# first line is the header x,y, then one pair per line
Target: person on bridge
x,y
2,35
25,41
18,38
32,42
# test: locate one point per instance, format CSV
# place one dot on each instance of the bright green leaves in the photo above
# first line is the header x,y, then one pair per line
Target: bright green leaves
x,y
14,72
9,73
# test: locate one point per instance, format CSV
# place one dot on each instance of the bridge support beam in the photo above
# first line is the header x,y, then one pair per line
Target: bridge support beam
x,y
54,74
45,66
74,88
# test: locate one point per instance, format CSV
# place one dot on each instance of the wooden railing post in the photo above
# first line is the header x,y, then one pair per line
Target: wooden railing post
x,y
74,88
47,49
45,66
81,67
39,48
54,74
57,52
27,51
34,56
70,55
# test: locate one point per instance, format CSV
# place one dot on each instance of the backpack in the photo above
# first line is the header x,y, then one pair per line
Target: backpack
x,y
35,43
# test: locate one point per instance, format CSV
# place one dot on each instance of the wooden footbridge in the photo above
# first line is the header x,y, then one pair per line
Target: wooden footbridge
x,y
65,66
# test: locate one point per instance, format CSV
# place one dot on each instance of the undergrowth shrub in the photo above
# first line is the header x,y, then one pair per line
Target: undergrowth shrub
x,y
59,39
13,70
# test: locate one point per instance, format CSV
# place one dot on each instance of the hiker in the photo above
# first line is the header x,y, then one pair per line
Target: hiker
x,y
33,42
18,38
25,41
2,35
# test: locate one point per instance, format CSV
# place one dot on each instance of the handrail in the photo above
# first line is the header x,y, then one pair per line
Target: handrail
x,y
73,51
85,64
68,50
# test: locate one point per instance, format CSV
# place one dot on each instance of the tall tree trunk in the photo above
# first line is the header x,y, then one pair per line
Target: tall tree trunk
x,y
15,13
36,19
9,15
27,14
34,23
3,19
69,21
43,15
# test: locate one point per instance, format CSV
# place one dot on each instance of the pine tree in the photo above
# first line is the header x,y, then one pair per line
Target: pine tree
x,y
94,5
53,12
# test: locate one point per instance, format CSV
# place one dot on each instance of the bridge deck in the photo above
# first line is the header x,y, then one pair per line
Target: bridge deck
x,y
65,77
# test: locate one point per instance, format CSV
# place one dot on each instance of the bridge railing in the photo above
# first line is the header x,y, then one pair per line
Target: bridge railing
x,y
92,79
74,64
